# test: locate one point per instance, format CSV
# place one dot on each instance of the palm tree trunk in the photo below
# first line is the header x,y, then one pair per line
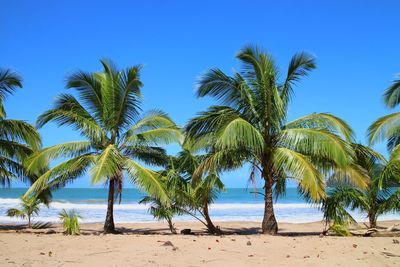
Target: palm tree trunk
x,y
372,220
109,226
210,226
171,226
269,224
29,221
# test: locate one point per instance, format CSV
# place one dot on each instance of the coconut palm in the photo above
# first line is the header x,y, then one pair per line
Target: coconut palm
x,y
203,193
201,188
17,138
381,196
190,191
118,138
29,208
387,127
174,186
161,211
251,126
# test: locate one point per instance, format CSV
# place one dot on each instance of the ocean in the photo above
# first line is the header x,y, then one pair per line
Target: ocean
x,y
236,204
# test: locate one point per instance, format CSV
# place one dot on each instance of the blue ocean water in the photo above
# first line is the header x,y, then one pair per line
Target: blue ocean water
x,y
236,204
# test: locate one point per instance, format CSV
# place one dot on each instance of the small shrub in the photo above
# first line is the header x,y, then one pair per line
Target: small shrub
x,y
70,222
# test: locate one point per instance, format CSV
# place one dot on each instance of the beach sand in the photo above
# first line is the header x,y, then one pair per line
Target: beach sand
x,y
147,245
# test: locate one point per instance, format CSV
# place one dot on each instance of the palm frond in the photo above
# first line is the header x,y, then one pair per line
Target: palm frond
x,y
323,121
61,174
383,127
106,165
9,81
300,65
148,154
89,89
239,133
40,159
392,94
146,179
68,111
340,197
317,143
20,131
301,169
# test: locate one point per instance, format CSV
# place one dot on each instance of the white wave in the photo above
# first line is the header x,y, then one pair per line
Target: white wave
x,y
135,206
215,206
223,206
69,205
9,201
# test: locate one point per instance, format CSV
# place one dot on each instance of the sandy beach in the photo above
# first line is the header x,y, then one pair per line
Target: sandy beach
x,y
151,245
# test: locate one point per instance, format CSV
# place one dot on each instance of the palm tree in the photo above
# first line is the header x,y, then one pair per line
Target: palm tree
x,y
381,196
18,139
251,126
201,195
29,207
189,190
174,185
387,127
107,113
201,188
161,211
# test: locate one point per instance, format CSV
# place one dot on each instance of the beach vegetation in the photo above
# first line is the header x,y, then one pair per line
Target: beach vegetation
x,y
18,139
70,222
30,206
249,125
381,196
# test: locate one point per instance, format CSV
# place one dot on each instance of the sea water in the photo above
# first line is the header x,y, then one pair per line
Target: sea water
x,y
236,204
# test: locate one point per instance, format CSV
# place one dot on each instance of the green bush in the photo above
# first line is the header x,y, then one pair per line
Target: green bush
x,y
70,222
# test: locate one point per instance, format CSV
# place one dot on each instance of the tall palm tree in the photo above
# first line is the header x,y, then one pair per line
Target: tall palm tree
x,y
251,126
18,139
381,196
388,127
107,113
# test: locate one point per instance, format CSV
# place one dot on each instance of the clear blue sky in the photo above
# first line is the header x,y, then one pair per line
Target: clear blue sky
x,y
356,44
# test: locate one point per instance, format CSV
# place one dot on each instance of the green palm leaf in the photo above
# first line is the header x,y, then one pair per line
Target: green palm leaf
x,y
106,165
301,169
392,94
9,81
323,121
147,179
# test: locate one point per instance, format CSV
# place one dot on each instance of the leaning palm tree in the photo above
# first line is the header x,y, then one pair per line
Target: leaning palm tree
x,y
18,139
189,192
381,196
29,208
388,127
201,195
251,126
161,211
107,113
200,189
